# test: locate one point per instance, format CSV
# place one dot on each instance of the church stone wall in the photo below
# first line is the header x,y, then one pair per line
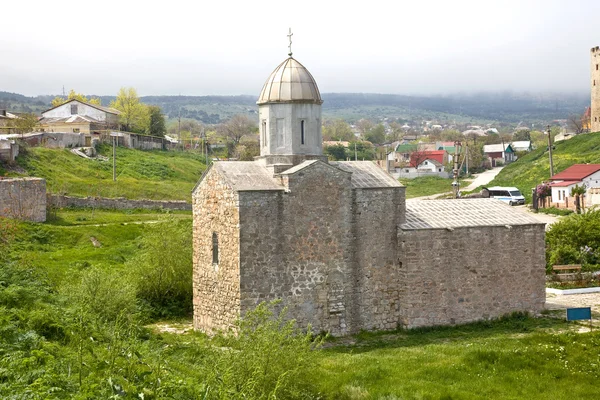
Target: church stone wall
x,y
459,276
377,213
296,246
216,286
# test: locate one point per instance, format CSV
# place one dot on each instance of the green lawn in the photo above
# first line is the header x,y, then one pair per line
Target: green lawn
x,y
513,358
427,186
534,168
159,175
518,358
63,245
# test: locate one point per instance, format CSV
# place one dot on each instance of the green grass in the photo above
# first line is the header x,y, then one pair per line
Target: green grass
x,y
515,358
427,186
157,175
534,168
63,246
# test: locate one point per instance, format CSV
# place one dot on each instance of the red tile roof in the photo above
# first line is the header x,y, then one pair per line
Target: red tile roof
x,y
437,155
564,183
576,172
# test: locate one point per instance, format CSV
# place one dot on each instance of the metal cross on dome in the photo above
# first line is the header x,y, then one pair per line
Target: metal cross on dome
x,y
290,45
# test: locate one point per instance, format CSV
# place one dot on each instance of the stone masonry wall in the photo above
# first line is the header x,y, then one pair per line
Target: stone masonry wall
x,y
119,203
297,246
454,277
216,286
23,198
377,213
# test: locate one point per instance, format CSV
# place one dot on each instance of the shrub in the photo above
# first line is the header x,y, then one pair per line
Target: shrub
x,y
162,272
266,357
574,239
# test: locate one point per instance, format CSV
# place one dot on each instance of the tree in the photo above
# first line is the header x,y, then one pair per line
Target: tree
x,y
338,130
376,134
575,123
578,192
337,152
522,134
191,125
238,127
364,126
73,95
134,114
25,123
156,121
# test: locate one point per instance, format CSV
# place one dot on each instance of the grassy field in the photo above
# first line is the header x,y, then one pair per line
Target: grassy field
x,y
427,186
159,175
513,358
63,246
534,168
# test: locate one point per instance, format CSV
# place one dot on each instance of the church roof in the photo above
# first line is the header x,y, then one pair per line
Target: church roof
x,y
290,82
366,174
247,176
462,213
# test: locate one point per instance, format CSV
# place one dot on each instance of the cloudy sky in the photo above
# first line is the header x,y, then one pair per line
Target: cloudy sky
x,y
225,47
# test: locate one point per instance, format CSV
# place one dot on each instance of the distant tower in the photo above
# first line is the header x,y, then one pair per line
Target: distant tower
x,y
595,85
289,109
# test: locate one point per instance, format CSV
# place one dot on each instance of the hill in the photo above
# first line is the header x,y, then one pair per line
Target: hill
x,y
155,175
498,107
534,168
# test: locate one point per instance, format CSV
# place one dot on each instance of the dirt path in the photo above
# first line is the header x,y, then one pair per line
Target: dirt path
x,y
483,179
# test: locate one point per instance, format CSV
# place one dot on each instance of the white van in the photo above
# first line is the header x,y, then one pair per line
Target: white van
x,y
511,195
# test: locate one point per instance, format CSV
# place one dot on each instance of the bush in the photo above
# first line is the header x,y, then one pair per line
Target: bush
x,y
162,272
555,211
575,239
266,357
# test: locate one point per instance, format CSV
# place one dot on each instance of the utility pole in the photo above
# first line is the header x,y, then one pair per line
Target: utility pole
x,y
550,152
114,158
467,155
355,153
455,171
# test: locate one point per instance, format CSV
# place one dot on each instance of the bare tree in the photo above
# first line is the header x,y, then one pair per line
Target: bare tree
x,y
575,122
237,127
418,156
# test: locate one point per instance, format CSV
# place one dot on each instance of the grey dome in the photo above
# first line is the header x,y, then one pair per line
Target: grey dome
x,y
290,82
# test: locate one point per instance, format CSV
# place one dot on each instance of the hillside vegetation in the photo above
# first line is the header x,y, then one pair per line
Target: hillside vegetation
x,y
156,175
534,168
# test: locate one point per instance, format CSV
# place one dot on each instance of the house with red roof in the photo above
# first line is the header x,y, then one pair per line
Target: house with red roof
x,y
578,174
418,157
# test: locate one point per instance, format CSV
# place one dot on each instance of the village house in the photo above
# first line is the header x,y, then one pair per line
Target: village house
x,y
578,174
521,146
338,244
499,154
76,116
7,122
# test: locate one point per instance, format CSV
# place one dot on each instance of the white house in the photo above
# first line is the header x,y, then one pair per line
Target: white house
x,y
578,174
78,117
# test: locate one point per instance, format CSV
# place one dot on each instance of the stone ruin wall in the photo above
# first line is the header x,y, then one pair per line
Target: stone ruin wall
x,y
118,203
469,274
216,287
23,198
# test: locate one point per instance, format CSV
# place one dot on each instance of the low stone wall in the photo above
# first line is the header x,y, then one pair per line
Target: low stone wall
x,y
118,203
23,198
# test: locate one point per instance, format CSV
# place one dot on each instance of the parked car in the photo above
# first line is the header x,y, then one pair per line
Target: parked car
x,y
511,195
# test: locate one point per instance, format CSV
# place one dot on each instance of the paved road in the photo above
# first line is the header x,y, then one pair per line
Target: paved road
x,y
482,179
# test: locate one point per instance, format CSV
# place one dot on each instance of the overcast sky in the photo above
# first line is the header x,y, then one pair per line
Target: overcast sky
x,y
224,47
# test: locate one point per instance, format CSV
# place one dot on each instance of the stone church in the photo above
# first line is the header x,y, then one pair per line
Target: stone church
x,y
338,243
